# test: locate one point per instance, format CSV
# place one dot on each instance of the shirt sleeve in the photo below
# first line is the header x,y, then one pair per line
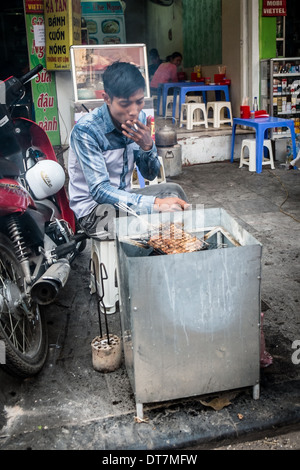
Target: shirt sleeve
x,y
92,163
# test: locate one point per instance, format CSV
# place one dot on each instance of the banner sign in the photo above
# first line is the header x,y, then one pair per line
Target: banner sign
x,y
63,29
43,86
274,8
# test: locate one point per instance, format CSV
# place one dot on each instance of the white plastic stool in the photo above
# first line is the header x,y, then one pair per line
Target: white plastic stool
x,y
161,178
218,109
169,107
190,115
193,99
105,252
250,160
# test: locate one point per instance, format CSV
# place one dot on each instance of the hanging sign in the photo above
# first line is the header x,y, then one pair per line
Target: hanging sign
x,y
43,87
63,29
274,8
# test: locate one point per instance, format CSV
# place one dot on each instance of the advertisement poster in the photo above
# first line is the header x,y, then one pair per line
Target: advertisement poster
x,y
105,21
274,8
43,86
62,30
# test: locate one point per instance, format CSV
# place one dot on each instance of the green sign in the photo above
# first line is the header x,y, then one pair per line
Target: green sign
x,y
43,86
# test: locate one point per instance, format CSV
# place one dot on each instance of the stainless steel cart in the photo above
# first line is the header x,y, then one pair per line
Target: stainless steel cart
x,y
190,322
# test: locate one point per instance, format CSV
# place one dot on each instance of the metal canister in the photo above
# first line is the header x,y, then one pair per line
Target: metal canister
x,y
172,159
169,150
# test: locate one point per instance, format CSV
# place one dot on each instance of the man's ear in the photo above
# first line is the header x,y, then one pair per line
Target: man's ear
x,y
106,98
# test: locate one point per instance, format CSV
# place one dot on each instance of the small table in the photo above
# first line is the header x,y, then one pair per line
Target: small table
x,y
261,125
162,93
183,89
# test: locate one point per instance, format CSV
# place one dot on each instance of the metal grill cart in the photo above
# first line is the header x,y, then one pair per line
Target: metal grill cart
x,y
191,321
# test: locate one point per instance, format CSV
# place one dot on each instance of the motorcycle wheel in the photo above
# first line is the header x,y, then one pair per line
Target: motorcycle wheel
x,y
22,323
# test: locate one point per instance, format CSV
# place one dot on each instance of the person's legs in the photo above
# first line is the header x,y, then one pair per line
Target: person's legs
x,y
162,190
100,222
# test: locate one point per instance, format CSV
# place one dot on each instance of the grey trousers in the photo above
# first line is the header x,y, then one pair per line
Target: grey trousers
x,y
100,222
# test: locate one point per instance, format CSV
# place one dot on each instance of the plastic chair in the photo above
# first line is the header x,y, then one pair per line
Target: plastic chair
x,y
136,178
218,113
250,159
169,107
193,99
193,114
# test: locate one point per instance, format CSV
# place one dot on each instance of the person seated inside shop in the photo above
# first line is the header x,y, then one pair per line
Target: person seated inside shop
x,y
155,62
105,144
167,71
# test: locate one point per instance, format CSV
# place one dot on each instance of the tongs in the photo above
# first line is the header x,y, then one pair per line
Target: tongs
x,y
124,207
140,242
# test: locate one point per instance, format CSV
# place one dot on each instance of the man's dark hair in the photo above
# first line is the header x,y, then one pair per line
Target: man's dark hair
x,y
122,79
153,54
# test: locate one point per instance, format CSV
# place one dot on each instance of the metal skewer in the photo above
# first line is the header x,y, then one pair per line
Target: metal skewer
x,y
124,207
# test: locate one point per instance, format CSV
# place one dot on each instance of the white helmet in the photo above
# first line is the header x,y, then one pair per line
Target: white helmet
x,y
45,178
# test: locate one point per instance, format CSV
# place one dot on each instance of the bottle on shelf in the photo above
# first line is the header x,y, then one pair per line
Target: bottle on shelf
x,y
255,104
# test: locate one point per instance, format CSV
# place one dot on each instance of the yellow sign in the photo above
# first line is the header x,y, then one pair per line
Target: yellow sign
x,y
62,30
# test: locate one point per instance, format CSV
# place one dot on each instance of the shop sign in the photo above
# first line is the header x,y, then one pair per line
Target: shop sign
x,y
103,7
274,8
43,86
62,30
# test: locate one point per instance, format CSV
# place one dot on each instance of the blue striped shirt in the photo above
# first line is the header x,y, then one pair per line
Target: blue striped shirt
x,y
100,164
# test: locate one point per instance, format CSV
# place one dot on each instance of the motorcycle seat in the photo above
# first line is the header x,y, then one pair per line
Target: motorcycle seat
x,y
8,169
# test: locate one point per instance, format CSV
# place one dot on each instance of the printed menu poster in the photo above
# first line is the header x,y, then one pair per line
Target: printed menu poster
x,y
43,86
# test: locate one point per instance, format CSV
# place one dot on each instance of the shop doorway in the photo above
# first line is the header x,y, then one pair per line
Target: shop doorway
x,y
292,29
14,52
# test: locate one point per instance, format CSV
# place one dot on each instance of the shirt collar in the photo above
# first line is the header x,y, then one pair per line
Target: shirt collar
x,y
109,125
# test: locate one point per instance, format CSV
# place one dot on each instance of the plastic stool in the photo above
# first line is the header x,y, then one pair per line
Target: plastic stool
x,y
105,252
192,111
161,178
251,159
169,107
193,99
218,108
169,104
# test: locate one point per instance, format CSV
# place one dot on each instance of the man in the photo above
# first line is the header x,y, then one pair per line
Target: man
x,y
104,145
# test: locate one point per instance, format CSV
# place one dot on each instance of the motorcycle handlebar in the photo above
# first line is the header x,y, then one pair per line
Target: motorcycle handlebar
x,y
29,75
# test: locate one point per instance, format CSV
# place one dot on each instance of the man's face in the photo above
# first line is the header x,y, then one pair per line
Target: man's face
x,y
125,109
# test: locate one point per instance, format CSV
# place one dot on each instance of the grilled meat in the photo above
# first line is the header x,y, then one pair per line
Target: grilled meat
x,y
171,239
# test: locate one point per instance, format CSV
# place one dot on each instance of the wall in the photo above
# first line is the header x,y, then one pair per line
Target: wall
x,y
135,21
202,32
164,28
267,36
231,49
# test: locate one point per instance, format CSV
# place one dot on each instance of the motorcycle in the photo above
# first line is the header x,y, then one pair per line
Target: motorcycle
x,y
38,236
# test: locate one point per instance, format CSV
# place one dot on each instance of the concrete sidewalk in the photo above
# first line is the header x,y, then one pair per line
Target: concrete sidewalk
x,y
71,406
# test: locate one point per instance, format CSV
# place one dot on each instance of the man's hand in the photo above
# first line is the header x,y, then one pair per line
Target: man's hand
x,y
139,133
170,204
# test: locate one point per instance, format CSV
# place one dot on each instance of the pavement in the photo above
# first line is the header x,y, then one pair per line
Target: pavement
x,y
71,406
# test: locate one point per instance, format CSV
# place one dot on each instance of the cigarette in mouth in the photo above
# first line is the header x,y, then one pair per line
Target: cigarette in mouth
x,y
135,127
